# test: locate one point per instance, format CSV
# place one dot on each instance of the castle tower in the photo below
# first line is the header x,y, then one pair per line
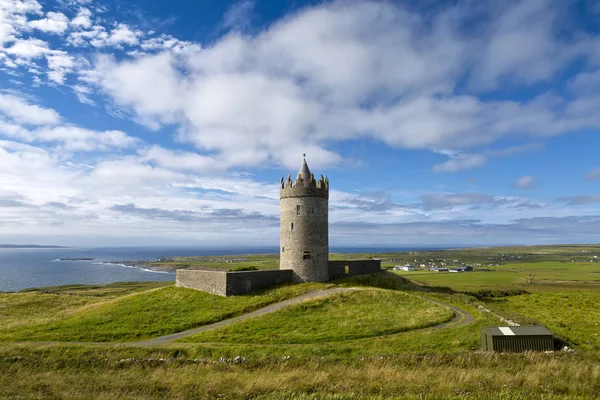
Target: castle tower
x,y
304,237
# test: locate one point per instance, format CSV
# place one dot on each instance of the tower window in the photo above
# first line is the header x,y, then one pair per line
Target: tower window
x,y
283,249
306,255
292,226
297,210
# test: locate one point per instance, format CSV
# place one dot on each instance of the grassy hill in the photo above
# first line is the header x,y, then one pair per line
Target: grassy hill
x,y
354,345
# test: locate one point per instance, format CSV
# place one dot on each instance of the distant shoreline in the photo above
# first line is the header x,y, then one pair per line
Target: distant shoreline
x,y
31,246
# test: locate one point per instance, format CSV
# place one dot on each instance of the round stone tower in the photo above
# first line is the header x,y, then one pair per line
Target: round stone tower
x,y
304,234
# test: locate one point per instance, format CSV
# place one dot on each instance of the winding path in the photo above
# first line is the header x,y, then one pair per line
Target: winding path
x,y
261,311
461,317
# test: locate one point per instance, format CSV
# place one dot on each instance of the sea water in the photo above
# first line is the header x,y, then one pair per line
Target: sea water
x,y
35,267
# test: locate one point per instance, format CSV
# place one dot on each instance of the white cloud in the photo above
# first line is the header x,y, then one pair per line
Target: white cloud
x,y
526,182
321,76
122,34
28,48
343,71
59,64
54,22
51,129
83,19
23,112
82,92
13,17
459,162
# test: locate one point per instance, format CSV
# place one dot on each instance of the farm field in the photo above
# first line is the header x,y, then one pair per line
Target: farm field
x,y
530,276
574,314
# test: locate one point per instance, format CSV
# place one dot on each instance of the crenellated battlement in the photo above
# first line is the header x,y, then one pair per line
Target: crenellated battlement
x,y
304,187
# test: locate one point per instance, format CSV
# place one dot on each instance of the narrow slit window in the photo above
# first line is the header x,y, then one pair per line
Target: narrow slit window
x,y
292,226
283,249
297,210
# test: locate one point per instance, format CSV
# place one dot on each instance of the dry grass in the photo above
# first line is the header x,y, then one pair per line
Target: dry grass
x,y
69,373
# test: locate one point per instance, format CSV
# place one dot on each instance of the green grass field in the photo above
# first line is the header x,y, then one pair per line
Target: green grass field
x,y
154,312
344,316
531,276
350,346
574,315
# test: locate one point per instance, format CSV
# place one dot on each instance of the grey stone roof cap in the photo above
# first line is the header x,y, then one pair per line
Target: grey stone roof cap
x,y
304,171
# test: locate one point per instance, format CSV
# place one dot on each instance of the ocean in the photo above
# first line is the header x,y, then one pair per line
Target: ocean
x,y
26,268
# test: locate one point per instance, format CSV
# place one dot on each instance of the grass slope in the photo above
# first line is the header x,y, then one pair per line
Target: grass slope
x,y
344,316
575,315
179,373
137,316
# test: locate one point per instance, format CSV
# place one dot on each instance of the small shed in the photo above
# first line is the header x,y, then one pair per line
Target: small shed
x,y
516,338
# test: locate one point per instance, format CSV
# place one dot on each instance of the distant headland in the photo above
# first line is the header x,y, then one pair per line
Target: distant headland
x,y
30,246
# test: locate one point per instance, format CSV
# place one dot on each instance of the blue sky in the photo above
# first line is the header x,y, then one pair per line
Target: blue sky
x,y
170,123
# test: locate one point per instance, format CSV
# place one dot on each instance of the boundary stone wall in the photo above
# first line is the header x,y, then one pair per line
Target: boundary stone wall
x,y
241,282
224,283
213,282
337,268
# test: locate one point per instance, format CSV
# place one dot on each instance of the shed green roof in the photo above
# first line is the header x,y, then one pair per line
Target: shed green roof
x,y
526,330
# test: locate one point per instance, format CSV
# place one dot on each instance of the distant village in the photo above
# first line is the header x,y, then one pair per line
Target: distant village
x,y
455,265
437,265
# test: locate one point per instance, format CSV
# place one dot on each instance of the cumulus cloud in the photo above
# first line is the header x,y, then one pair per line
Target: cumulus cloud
x,y
526,182
317,78
82,19
23,112
330,73
54,22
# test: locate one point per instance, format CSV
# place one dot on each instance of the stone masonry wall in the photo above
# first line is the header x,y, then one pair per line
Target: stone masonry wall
x,y
225,283
213,282
242,282
337,269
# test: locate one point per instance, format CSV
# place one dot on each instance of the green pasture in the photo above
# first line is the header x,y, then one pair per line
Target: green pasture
x,y
362,344
343,316
529,276
225,262
573,315
154,312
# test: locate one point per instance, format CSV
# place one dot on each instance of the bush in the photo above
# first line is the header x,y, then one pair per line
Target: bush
x,y
483,294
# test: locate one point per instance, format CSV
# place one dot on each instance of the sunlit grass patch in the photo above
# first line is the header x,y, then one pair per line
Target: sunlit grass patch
x,y
144,315
574,315
343,316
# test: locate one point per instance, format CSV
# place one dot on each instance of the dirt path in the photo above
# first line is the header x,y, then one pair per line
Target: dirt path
x,y
461,317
